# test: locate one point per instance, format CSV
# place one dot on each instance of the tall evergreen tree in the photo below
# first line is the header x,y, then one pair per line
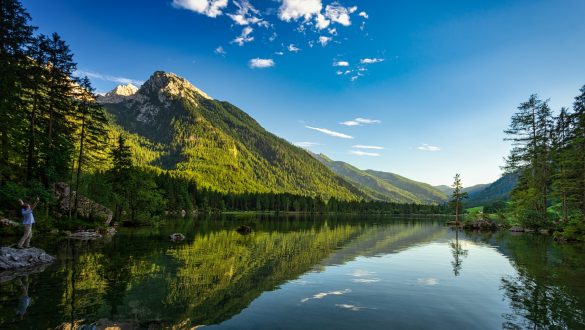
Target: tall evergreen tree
x,y
457,196
577,146
92,131
15,35
59,101
531,136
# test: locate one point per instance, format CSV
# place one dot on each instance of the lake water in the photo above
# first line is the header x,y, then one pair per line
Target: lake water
x,y
303,273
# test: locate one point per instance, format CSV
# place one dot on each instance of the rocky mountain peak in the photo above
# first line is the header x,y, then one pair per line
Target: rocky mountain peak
x,y
123,90
171,84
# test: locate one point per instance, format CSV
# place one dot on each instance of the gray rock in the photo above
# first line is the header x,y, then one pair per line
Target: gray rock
x,y
8,223
516,229
85,235
13,259
177,237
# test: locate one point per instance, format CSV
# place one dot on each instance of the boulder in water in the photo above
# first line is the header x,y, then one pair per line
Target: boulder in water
x,y
12,259
176,237
85,235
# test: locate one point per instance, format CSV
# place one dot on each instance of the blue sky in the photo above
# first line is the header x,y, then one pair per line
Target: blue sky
x,y
423,89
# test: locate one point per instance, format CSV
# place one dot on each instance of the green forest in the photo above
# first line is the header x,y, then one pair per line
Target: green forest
x,y
201,155
53,130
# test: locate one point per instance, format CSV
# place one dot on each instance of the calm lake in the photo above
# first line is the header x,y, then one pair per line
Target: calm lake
x,y
325,272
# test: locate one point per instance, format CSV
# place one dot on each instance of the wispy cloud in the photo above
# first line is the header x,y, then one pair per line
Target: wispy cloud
x,y
428,281
323,40
371,60
247,14
367,121
244,37
307,144
330,132
364,15
341,63
105,77
261,63
339,14
211,8
364,153
310,12
322,295
360,146
428,147
360,121
220,51
352,307
293,49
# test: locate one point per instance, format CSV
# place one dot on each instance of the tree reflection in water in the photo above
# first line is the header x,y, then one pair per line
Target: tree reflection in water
x,y
458,254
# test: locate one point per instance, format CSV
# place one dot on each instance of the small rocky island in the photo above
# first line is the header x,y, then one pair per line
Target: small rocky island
x,y
17,262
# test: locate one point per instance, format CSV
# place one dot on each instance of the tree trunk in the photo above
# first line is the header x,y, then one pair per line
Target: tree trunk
x,y
79,162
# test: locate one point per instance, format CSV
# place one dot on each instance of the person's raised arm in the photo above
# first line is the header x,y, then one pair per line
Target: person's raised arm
x,y
32,207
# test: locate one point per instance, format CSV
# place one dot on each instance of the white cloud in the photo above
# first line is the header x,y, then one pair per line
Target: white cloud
x,y
244,37
371,60
321,22
261,63
211,8
364,15
220,51
428,147
324,40
360,146
351,307
341,63
368,121
332,31
339,14
306,144
247,14
330,132
322,295
279,53
105,77
291,10
428,281
293,49
363,153
361,121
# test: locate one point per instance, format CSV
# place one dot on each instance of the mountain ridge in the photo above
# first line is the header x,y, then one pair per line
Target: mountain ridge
x,y
218,145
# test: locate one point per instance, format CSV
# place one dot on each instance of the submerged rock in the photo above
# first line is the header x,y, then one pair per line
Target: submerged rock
x,y
85,235
244,230
13,259
8,223
177,237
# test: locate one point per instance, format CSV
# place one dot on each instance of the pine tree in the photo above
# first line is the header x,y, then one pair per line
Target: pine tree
x,y
577,146
92,121
531,131
457,196
60,108
15,35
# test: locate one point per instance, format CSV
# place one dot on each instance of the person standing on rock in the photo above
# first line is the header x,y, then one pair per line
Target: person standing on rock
x,y
27,221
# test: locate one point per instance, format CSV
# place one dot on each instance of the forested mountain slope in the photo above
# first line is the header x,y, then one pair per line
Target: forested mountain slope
x,y
217,144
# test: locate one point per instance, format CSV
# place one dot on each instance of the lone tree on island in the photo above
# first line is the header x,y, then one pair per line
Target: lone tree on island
x,y
457,196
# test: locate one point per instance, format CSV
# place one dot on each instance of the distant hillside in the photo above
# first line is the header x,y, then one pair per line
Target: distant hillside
x,y
447,190
181,129
385,186
494,192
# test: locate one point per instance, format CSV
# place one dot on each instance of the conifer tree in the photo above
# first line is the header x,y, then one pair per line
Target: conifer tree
x,y
15,35
457,196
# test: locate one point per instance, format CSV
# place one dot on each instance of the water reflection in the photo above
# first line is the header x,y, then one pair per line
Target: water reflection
x,y
290,268
458,254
